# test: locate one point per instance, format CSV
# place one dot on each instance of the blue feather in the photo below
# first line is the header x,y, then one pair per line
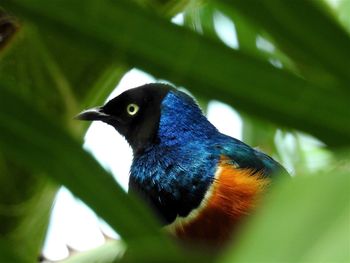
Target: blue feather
x,y
174,174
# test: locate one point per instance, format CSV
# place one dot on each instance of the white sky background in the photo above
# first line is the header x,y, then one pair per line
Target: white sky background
x,y
75,225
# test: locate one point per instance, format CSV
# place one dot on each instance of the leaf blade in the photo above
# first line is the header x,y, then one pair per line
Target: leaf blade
x,y
296,219
278,95
38,143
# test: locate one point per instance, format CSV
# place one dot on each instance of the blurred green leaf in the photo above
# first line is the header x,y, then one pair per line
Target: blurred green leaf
x,y
248,35
82,66
26,197
38,142
165,8
8,28
8,253
306,32
139,250
303,220
25,204
259,134
36,76
205,66
111,251
343,11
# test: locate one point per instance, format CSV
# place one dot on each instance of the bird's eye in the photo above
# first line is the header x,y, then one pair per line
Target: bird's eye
x,y
132,109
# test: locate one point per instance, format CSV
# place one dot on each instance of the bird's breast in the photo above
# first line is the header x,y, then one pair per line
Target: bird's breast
x,y
232,195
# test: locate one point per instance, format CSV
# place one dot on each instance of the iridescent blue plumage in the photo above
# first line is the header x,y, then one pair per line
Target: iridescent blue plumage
x,y
194,177
175,173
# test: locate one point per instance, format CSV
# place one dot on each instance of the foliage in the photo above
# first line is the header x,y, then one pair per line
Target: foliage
x,y
57,57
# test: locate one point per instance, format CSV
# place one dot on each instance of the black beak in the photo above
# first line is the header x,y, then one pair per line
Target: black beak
x,y
94,114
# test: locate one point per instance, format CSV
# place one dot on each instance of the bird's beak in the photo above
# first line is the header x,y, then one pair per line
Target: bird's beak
x,y
94,114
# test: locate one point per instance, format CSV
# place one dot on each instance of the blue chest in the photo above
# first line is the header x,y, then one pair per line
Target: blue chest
x,y
173,180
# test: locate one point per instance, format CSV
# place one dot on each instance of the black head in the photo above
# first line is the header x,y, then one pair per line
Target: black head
x,y
135,114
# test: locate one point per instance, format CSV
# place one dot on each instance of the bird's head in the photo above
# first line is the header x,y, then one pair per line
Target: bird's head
x,y
136,113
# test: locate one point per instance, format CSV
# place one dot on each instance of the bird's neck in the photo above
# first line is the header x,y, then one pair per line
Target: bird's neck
x,y
182,121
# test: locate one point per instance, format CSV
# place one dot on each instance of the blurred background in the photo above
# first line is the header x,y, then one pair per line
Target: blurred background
x,y
273,74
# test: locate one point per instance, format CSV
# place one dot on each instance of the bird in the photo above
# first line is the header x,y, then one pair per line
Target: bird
x,y
199,182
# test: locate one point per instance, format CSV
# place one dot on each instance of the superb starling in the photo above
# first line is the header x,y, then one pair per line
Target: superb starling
x,y
199,181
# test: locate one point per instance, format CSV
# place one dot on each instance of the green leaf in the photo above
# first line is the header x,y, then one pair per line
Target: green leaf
x,y
8,28
259,134
248,33
306,32
35,140
205,66
139,250
8,252
303,220
165,8
111,251
343,13
36,75
144,250
26,200
26,196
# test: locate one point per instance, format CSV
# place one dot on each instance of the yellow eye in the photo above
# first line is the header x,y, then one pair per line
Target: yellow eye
x,y
132,109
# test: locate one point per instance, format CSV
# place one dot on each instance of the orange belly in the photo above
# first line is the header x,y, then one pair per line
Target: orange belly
x,y
233,194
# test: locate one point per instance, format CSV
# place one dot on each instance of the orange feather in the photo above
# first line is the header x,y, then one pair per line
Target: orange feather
x,y
233,194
